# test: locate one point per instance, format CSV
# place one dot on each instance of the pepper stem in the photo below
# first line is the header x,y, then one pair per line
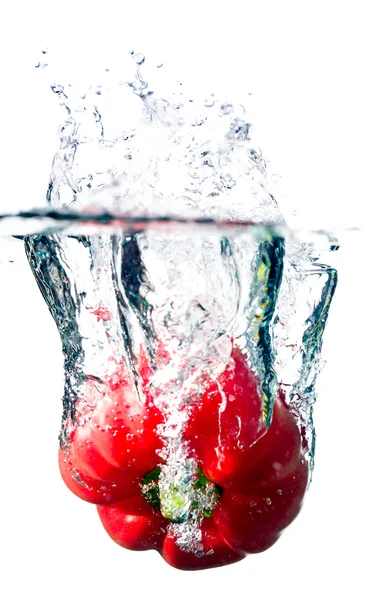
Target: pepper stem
x,y
175,501
179,498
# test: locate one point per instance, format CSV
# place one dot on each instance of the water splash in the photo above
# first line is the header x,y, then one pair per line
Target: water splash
x,y
181,157
197,259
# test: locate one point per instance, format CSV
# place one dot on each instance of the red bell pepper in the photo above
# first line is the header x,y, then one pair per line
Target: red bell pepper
x,y
254,478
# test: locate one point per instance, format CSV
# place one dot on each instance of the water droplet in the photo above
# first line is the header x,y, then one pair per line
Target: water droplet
x,y
240,130
199,121
57,89
139,58
227,181
226,109
209,103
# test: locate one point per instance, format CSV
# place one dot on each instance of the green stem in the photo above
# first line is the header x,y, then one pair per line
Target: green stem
x,y
196,496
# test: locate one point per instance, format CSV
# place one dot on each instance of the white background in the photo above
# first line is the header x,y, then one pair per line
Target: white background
x,y
312,70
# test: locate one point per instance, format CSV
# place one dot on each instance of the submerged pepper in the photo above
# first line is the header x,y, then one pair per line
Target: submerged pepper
x,y
247,487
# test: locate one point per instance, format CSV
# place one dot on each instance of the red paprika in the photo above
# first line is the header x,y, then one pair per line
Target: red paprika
x,y
251,480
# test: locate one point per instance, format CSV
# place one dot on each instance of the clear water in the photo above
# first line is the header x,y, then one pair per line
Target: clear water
x,y
160,244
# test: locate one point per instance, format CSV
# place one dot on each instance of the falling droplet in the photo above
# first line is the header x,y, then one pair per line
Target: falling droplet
x,y
139,59
209,103
57,89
